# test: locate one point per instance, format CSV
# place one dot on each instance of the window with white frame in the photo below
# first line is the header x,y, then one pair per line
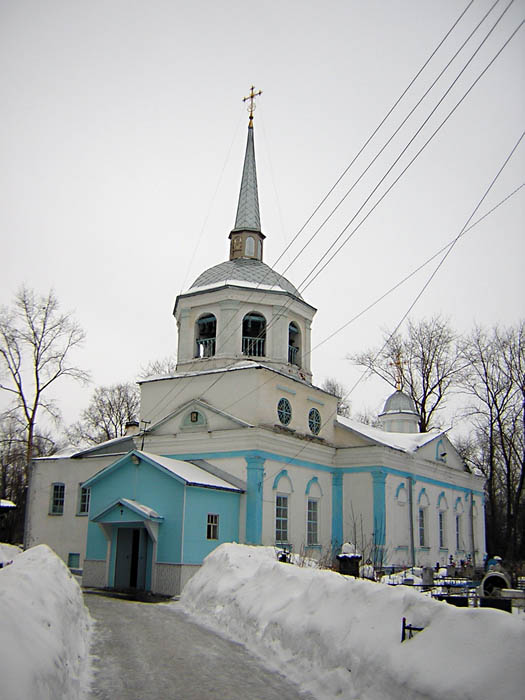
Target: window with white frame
x,y
312,522
422,516
212,528
58,492
83,500
442,529
459,538
281,518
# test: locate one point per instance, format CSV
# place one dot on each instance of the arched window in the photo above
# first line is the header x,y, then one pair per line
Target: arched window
x,y
294,344
458,513
253,335
282,485
442,506
206,336
422,517
250,247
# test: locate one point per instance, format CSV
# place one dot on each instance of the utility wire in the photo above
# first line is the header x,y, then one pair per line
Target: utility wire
x,y
221,374
303,284
440,44
415,271
427,283
396,103
442,261
401,282
394,134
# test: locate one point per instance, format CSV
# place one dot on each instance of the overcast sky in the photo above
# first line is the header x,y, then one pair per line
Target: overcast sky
x,y
123,136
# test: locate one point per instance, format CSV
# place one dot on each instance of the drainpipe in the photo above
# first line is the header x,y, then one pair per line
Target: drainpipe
x,y
411,522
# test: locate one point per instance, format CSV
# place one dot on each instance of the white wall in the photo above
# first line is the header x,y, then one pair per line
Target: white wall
x,y
63,533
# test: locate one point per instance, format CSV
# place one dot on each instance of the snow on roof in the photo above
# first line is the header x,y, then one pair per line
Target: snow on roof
x,y
102,445
241,365
190,473
237,283
139,507
406,442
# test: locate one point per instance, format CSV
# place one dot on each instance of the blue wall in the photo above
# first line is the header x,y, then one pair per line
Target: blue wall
x,y
200,502
156,489
151,487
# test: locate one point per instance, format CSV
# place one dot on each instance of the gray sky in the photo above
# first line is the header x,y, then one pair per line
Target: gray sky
x,y
123,135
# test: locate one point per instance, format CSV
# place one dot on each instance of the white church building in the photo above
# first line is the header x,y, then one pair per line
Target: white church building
x,y
242,446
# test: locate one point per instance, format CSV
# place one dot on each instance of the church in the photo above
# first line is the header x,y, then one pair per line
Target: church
x,y
240,445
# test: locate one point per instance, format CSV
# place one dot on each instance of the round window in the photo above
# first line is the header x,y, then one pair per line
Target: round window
x,y
284,411
314,421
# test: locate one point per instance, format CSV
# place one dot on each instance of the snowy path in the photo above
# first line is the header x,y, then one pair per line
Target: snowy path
x,y
146,652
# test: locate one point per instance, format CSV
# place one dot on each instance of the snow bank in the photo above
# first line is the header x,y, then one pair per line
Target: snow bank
x,y
8,552
340,637
44,629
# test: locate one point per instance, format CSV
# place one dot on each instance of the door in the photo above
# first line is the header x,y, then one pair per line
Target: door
x,y
131,558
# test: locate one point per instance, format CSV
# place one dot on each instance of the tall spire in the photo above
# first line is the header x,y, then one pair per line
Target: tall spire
x,y
248,217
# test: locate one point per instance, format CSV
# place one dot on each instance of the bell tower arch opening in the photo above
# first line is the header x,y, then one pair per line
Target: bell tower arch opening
x,y
205,336
294,344
254,335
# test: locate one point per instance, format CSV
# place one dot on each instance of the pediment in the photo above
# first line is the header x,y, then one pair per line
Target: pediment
x,y
197,416
442,450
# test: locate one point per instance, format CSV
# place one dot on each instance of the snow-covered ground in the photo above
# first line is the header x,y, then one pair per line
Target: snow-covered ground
x,y
44,628
340,638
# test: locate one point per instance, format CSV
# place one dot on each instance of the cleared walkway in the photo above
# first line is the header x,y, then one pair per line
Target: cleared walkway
x,y
145,651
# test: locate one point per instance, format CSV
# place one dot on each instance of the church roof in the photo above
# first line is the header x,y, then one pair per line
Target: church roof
x,y
191,474
406,442
399,402
254,272
248,217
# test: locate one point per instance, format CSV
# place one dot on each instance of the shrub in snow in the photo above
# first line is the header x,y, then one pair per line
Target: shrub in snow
x,y
44,629
340,637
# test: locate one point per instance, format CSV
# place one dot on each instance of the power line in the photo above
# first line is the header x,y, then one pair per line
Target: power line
x,y
416,270
302,285
305,283
402,281
165,398
393,135
374,132
429,280
411,83
403,171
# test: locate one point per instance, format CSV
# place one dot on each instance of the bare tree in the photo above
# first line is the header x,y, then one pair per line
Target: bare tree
x,y
36,343
426,363
163,366
13,479
495,382
110,408
334,387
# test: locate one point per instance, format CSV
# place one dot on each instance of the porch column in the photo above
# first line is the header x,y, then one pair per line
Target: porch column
x,y
254,498
337,510
379,480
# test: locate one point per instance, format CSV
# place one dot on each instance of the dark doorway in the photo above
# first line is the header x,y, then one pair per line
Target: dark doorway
x,y
134,558
131,558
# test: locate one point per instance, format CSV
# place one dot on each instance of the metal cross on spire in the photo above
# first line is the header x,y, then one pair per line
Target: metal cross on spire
x,y
251,106
398,364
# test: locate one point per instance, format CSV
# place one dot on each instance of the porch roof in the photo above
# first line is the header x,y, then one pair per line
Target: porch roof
x,y
145,512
